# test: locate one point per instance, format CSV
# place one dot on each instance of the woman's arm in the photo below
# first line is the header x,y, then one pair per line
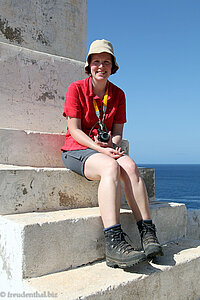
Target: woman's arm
x,y
76,132
117,132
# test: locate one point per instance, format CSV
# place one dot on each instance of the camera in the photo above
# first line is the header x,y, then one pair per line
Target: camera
x,y
103,136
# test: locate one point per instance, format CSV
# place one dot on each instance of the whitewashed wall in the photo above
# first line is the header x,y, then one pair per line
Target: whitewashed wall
x,y
54,26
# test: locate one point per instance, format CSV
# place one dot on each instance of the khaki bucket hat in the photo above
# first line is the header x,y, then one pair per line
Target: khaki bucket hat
x,y
100,46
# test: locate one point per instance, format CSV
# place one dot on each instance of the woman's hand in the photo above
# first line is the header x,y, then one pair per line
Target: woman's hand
x,y
114,153
74,126
108,149
104,144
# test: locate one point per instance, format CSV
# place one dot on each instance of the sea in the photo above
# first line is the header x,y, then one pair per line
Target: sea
x,y
177,183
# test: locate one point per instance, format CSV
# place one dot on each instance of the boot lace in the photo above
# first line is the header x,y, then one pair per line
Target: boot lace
x,y
120,242
148,234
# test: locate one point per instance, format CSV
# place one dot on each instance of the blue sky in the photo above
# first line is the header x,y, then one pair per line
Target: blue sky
x,y
157,45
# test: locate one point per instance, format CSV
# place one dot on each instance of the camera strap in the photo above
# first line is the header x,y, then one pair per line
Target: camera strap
x,y
96,108
105,101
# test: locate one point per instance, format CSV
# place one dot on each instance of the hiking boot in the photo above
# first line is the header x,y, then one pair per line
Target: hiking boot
x,y
119,253
149,240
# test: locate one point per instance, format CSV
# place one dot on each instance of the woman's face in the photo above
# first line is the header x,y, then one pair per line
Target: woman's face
x,y
101,66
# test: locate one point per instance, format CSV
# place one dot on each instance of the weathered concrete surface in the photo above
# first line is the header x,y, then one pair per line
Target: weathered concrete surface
x,y
148,175
26,189
56,27
11,250
36,149
55,241
173,276
33,87
29,148
193,224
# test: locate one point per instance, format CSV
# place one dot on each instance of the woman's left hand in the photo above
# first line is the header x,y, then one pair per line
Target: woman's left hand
x,y
114,153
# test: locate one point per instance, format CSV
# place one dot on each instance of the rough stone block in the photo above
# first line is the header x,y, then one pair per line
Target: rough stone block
x,y
55,241
55,27
193,224
33,87
173,276
29,148
26,189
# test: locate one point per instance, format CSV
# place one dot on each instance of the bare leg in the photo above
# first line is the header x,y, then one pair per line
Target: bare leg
x,y
106,169
135,190
119,253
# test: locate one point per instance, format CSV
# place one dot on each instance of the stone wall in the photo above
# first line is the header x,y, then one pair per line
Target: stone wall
x,y
193,224
52,26
33,87
42,49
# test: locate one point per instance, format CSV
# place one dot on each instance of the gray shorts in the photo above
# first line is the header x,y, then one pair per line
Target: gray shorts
x,y
75,159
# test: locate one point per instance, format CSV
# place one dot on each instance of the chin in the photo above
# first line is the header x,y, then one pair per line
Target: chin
x,y
102,77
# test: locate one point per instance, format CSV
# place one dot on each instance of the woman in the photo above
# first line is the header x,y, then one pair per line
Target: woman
x,y
96,112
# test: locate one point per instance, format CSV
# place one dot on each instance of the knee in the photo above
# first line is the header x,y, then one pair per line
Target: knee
x,y
112,168
130,168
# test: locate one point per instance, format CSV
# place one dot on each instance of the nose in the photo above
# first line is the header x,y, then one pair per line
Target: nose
x,y
101,64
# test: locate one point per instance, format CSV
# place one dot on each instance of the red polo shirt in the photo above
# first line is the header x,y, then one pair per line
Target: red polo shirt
x,y
79,104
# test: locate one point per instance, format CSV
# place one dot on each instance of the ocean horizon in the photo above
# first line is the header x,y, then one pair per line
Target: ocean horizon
x,y
177,183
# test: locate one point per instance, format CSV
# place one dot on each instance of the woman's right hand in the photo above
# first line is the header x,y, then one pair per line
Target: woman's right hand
x,y
108,144
114,153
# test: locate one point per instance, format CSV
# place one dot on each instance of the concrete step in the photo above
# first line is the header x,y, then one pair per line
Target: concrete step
x,y
33,87
32,148
26,189
193,224
45,243
173,276
52,27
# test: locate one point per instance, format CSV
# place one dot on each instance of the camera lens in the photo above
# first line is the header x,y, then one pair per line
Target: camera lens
x,y
105,136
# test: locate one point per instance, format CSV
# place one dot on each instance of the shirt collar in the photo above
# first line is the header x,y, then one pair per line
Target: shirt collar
x,y
91,94
90,89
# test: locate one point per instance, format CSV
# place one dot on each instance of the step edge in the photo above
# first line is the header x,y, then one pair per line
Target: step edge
x,y
162,268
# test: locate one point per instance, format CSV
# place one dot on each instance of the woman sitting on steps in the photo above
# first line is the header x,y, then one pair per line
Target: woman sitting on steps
x,y
96,112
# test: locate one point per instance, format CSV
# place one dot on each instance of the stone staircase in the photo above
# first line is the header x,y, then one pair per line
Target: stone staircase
x,y
51,242
51,234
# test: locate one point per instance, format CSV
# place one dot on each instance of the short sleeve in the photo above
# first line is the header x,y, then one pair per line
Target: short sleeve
x,y
72,107
120,116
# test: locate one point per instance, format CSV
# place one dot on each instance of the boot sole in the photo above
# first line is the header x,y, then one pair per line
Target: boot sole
x,y
125,264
